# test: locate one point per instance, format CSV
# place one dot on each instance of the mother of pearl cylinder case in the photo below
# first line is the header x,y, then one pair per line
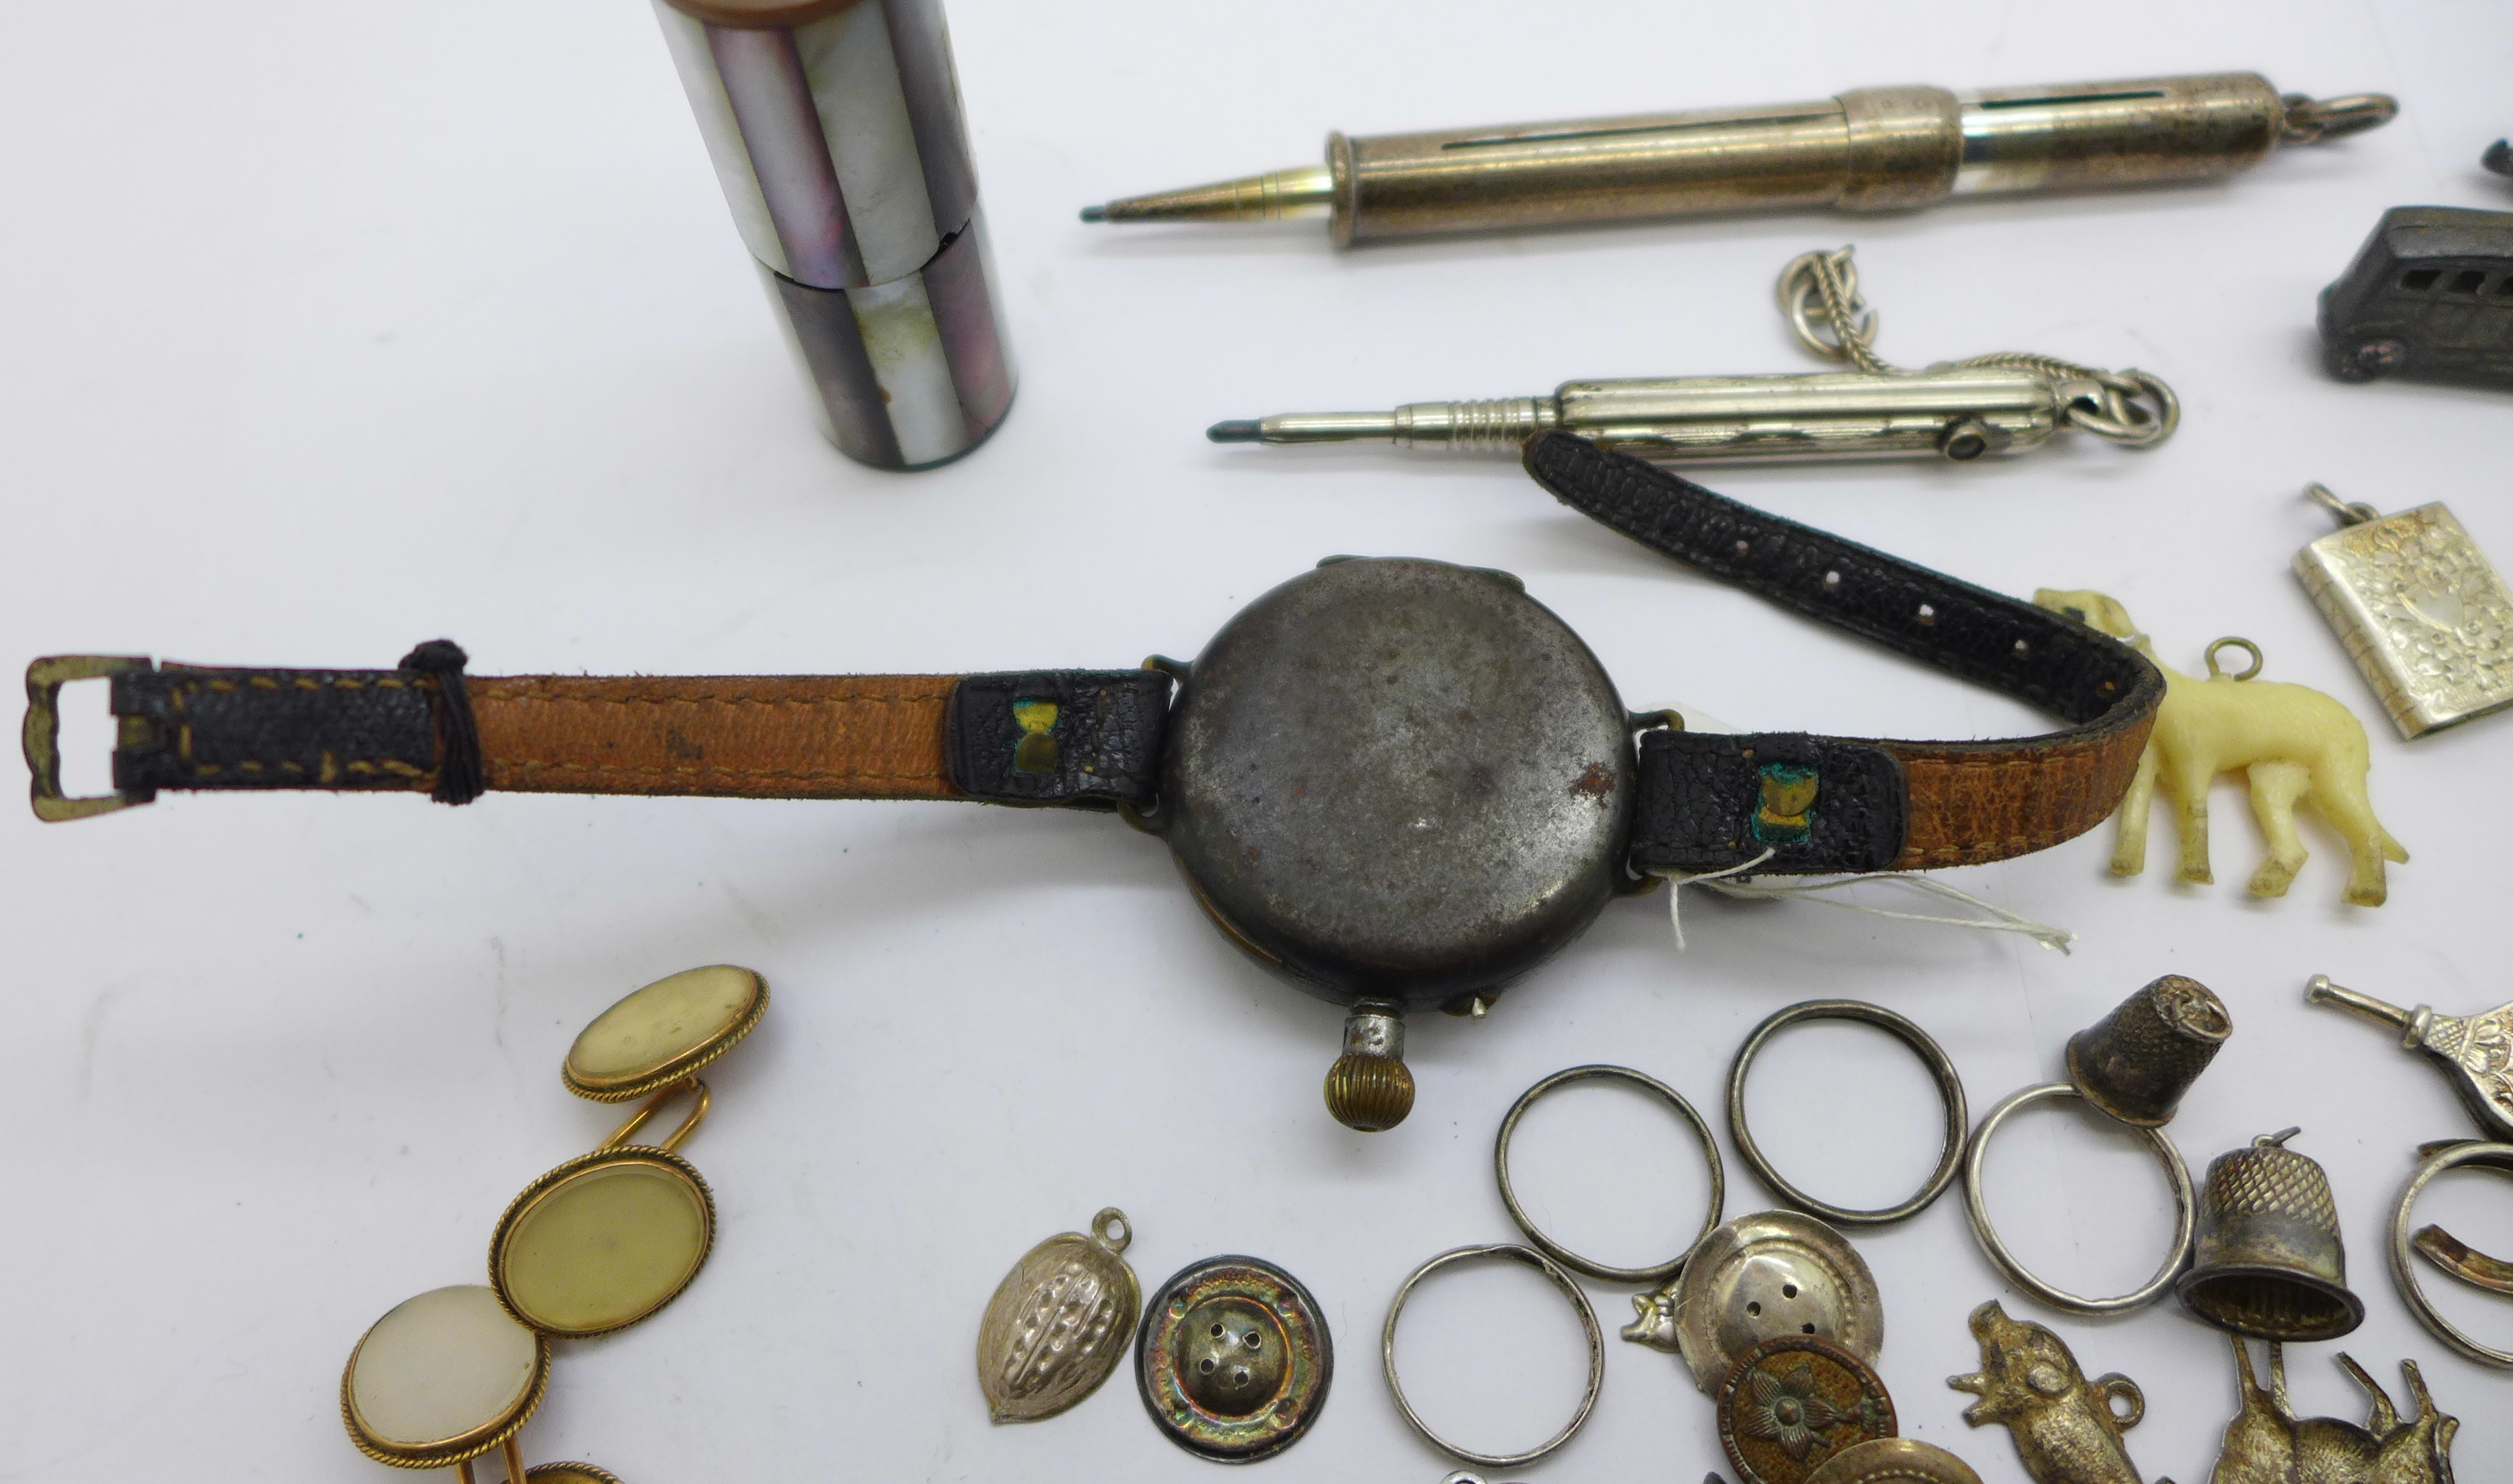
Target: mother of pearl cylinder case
x,y
836,129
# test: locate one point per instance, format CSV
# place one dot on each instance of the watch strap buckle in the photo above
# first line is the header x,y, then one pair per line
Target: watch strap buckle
x,y
41,736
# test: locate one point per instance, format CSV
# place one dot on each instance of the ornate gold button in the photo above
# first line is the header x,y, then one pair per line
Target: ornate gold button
x,y
1233,1360
1893,1461
1791,1402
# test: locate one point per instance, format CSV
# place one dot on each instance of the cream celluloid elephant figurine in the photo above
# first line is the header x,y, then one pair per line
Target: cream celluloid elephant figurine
x,y
2296,745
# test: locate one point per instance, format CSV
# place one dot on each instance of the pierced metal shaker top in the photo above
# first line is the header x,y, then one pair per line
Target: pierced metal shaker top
x,y
2269,1260
2135,1062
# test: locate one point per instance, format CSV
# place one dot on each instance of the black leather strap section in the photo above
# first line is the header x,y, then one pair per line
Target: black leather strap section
x,y
199,729
1701,803
1700,796
1087,738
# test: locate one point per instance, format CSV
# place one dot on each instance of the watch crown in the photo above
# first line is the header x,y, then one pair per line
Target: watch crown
x,y
1369,1087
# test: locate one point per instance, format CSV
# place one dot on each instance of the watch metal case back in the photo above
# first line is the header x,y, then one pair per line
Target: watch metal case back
x,y
1058,1322
1399,781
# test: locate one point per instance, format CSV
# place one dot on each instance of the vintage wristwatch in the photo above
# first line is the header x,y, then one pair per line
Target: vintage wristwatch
x,y
1397,783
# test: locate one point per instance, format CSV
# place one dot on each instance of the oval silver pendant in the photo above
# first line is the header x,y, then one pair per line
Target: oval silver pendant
x,y
1399,781
1059,1321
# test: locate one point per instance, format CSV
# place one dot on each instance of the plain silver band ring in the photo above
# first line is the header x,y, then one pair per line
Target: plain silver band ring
x,y
1940,1067
2497,1156
1561,1279
2184,1219
1637,1276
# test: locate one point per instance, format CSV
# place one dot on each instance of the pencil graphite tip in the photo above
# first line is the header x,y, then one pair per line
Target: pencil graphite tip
x,y
1238,431
1095,213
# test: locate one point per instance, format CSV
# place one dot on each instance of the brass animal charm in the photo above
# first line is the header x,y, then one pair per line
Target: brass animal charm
x,y
1656,1326
2064,1428
2267,1443
2295,745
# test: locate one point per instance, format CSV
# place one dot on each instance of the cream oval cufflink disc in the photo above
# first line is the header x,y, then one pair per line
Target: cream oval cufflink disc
x,y
664,1032
609,1238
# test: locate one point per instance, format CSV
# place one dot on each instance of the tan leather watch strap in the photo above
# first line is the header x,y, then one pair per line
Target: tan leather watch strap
x,y
764,737
1790,803
1081,738
1972,802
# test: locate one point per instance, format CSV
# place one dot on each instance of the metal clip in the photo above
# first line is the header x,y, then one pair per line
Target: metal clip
x,y
1960,411
41,736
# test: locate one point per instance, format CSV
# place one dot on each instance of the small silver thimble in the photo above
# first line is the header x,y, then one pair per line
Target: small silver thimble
x,y
2269,1262
2135,1062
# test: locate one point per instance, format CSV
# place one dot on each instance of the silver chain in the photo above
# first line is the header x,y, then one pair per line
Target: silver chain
x,y
1820,294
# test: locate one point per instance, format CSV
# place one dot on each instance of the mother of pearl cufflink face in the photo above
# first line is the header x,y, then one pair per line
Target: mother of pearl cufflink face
x,y
442,1378
598,1243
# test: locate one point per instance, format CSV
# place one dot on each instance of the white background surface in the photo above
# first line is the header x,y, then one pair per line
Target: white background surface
x,y
330,328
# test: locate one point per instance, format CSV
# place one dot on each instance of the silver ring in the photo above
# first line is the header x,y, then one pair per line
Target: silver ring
x,y
1636,1277
1587,1323
1940,1067
2185,1221
2497,1156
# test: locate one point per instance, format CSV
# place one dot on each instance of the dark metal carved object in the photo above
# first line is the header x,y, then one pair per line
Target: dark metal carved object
x,y
2135,1062
2268,1261
2476,1051
2426,298
2267,1443
2065,1425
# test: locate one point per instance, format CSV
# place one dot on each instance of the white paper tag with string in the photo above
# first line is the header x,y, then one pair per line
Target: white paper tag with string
x,y
1994,918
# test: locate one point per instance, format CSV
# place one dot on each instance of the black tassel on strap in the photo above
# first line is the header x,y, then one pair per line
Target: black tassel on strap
x,y
461,776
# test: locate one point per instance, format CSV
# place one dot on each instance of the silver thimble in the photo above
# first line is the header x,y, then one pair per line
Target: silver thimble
x,y
2269,1261
2135,1062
